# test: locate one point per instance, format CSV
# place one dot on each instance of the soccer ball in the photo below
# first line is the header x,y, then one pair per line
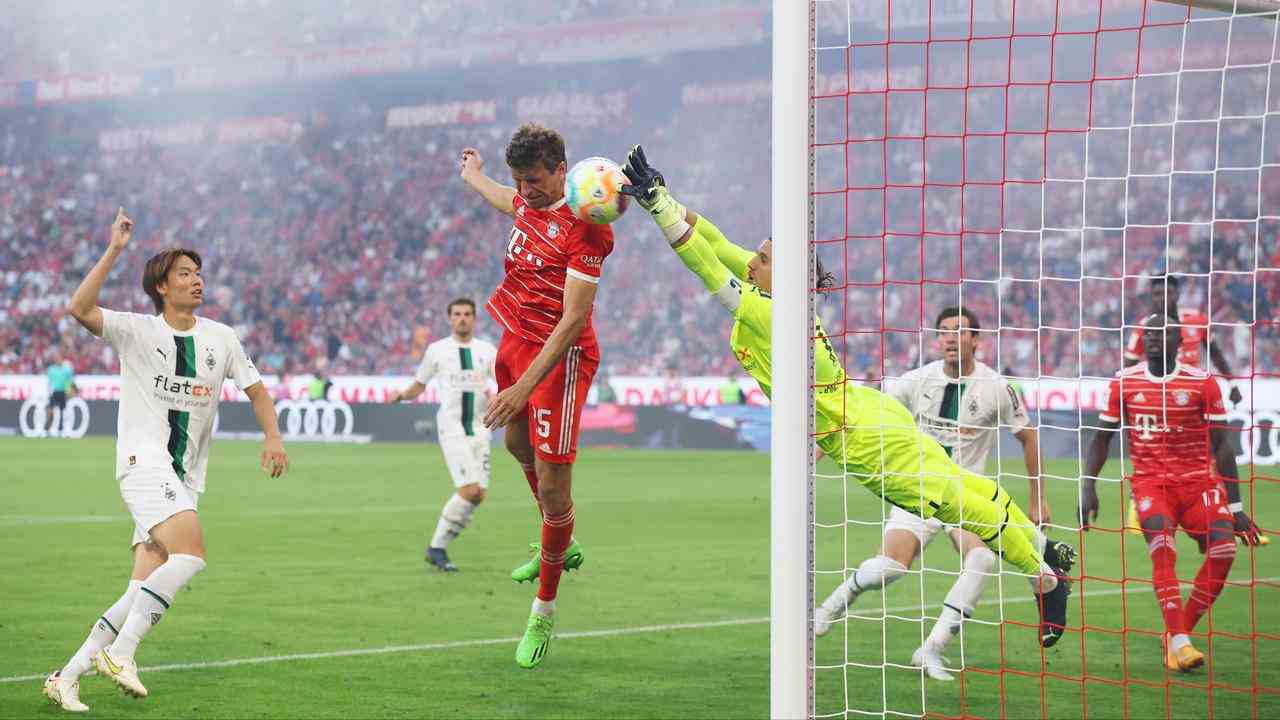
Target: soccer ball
x,y
592,189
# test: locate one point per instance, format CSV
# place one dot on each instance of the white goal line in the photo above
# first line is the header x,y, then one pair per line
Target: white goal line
x,y
453,645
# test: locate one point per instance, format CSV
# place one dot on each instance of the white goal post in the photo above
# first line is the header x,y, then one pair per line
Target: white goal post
x,y
792,461
792,456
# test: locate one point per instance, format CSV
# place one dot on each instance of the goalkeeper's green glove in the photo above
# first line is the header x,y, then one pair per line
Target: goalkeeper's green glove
x,y
649,189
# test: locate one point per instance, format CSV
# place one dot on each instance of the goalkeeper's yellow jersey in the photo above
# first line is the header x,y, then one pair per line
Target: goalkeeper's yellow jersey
x,y
870,434
722,266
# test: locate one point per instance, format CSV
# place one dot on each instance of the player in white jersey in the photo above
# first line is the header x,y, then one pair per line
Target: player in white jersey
x,y
962,403
172,366
463,368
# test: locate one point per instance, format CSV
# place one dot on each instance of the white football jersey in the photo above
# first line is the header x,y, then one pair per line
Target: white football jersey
x,y
966,421
462,371
170,384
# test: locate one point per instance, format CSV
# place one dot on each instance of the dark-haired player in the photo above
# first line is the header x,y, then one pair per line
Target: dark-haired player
x,y
1193,329
548,354
172,366
960,402
462,366
1184,474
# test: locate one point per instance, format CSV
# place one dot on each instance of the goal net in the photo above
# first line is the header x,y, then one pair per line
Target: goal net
x,y
1036,163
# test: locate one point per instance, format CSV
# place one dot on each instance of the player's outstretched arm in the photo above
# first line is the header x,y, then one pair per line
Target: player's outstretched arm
x,y
648,186
471,169
1099,447
649,189
274,459
84,303
734,257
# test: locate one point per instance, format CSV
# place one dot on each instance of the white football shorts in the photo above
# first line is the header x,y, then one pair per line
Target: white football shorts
x,y
154,495
467,458
924,530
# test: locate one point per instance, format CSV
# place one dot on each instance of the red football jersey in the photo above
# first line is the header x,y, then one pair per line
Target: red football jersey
x,y
1195,328
1168,422
545,247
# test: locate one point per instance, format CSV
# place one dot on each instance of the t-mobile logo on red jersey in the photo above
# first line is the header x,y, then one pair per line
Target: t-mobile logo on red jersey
x,y
517,250
1147,425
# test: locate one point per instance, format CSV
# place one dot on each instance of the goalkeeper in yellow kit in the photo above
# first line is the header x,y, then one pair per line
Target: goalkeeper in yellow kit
x,y
867,432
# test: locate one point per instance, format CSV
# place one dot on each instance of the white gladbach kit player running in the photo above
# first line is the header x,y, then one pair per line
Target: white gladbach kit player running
x,y
172,366
961,403
463,367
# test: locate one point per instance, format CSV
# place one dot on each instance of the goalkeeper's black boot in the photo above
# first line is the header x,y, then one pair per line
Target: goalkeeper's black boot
x,y
1053,612
1060,556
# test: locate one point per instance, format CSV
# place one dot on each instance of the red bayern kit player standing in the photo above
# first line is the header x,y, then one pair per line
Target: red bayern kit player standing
x,y
548,354
1184,474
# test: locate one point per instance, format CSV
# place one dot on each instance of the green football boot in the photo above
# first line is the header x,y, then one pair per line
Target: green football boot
x,y
536,641
528,572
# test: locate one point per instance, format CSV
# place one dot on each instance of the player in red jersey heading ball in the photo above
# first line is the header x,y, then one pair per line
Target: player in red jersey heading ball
x,y
548,354
1178,437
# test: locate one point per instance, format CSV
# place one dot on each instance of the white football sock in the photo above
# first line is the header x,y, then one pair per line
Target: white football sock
x,y
154,597
1179,641
873,574
454,518
963,597
1039,540
101,634
546,608
1047,580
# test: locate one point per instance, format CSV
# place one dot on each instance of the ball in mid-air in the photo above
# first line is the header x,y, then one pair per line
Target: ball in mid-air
x,y
593,190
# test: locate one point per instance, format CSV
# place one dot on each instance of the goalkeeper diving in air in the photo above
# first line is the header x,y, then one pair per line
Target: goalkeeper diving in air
x,y
870,434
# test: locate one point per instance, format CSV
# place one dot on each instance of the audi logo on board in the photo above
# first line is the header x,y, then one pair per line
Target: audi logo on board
x,y
1261,445
72,422
315,419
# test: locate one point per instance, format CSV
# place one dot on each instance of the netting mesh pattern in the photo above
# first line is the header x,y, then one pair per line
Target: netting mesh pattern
x,y
1037,162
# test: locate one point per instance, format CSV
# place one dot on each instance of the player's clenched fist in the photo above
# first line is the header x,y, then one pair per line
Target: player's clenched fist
x,y
121,230
471,162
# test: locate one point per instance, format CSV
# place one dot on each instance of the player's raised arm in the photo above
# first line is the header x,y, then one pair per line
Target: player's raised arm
x,y
645,179
471,169
84,303
649,189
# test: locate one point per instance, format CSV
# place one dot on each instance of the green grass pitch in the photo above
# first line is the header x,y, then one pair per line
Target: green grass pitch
x,y
316,601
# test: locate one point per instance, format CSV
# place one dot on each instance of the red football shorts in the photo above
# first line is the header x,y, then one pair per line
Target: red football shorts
x,y
1193,507
555,407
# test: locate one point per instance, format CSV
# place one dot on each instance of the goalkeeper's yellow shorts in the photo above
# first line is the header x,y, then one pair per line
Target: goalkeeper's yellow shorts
x,y
882,449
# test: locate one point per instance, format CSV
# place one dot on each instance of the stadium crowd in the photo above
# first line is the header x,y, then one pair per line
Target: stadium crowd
x,y
337,247
67,37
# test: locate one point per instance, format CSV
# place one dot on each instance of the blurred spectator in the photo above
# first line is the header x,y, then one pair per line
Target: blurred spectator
x,y
731,392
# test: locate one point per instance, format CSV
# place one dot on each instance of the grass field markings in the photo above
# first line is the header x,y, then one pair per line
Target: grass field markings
x,y
229,515
455,644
